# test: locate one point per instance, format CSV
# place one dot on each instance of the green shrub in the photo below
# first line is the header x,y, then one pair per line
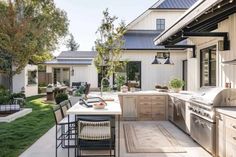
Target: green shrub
x,y
80,91
61,97
5,95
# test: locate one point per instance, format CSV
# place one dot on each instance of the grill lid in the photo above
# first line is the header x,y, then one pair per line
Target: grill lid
x,y
211,95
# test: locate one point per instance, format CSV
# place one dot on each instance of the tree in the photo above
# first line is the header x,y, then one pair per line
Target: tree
x,y
29,29
71,43
108,46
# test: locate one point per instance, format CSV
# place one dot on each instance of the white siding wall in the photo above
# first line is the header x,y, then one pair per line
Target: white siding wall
x,y
149,22
21,80
228,72
85,74
225,73
18,81
152,75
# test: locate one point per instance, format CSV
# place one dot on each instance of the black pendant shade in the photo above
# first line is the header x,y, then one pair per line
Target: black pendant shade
x,y
156,61
165,56
168,61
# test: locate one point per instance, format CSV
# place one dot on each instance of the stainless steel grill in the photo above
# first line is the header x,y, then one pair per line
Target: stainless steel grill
x,y
202,106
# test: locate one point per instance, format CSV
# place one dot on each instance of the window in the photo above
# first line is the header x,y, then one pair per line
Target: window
x,y
132,73
208,66
160,23
32,77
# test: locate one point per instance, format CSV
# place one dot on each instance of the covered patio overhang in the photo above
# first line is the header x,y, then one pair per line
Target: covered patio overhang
x,y
199,21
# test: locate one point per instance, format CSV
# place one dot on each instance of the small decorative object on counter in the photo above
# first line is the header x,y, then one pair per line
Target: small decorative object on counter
x,y
124,89
176,84
132,89
160,88
99,105
227,85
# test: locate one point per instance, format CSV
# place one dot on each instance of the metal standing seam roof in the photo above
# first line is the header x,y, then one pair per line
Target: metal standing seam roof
x,y
73,58
69,62
77,54
140,40
174,4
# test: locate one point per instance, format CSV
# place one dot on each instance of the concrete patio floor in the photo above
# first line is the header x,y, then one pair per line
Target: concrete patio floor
x,y
45,146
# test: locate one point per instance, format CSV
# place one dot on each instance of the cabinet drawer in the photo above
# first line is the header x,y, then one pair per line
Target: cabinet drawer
x,y
145,116
158,98
158,116
144,98
230,149
158,109
230,123
158,104
231,135
145,110
145,106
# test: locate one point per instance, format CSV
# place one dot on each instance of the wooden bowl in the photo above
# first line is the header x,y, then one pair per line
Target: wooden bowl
x,y
99,105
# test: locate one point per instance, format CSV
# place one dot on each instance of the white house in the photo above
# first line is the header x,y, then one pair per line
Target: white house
x,y
210,26
73,66
139,50
139,47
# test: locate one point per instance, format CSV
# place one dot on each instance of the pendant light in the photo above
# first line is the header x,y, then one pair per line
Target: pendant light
x,y
156,61
168,61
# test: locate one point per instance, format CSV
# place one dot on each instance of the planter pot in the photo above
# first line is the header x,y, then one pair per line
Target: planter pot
x,y
49,90
176,90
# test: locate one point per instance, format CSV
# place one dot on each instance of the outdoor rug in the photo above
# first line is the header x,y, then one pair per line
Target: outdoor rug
x,y
150,138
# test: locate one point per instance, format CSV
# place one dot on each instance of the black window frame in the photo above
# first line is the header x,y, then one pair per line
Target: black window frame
x,y
127,71
210,61
160,24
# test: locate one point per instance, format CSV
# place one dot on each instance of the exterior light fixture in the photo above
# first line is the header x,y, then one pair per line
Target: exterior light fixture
x,y
168,61
162,55
156,61
72,71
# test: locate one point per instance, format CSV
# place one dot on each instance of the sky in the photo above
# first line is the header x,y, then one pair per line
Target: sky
x,y
85,17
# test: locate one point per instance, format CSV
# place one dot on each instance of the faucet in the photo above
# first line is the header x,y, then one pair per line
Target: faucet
x,y
104,78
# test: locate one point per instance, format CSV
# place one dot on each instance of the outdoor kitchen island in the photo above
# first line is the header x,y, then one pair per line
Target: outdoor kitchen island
x,y
147,105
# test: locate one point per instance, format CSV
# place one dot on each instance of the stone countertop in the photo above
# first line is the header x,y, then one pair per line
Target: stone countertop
x,y
228,111
151,92
183,95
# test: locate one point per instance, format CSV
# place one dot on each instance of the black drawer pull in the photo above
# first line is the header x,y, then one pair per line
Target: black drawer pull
x,y
234,138
234,126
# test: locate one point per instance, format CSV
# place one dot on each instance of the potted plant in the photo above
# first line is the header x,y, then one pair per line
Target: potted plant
x,y
120,81
176,84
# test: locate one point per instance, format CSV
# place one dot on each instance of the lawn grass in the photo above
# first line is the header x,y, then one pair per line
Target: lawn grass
x,y
17,136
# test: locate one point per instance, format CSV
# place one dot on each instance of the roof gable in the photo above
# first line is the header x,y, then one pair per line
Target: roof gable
x,y
163,4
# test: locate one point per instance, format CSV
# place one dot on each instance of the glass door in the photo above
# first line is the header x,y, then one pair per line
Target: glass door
x,y
208,66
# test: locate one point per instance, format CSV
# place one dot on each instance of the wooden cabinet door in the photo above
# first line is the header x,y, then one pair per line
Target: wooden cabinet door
x,y
129,107
230,149
158,107
170,109
144,108
220,136
230,134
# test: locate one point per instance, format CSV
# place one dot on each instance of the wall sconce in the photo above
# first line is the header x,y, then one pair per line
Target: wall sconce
x,y
72,71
